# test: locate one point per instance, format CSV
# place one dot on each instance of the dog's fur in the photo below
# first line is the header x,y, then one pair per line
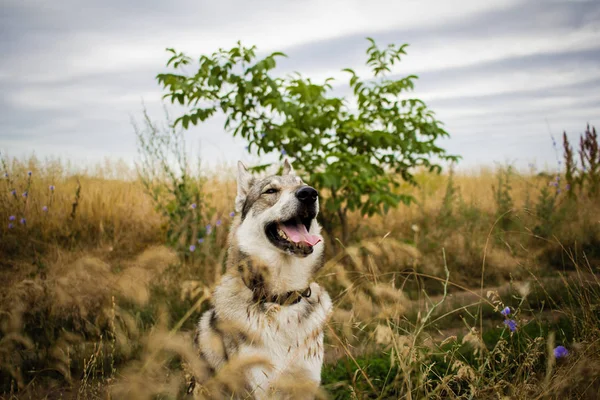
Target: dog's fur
x,y
265,306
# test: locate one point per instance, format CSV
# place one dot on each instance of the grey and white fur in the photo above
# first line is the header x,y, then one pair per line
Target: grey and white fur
x,y
266,305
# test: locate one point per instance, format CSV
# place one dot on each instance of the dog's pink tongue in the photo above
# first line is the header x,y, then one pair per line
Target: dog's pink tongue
x,y
298,233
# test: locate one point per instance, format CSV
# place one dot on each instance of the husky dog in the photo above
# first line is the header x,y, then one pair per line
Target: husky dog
x,y
265,306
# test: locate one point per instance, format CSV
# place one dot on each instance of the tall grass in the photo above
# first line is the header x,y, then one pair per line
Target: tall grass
x,y
94,305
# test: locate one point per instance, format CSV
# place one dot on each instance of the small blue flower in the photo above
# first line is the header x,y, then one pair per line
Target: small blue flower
x,y
22,221
192,248
6,174
201,240
45,209
51,187
505,311
194,206
218,222
283,152
568,187
560,352
232,214
13,192
10,225
208,229
29,173
262,135
24,194
12,218
247,148
511,323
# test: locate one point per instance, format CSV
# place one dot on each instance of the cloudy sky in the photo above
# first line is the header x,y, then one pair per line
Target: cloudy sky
x,y
502,75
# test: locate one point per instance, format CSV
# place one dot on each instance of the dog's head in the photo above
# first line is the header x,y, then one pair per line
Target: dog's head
x,y
278,215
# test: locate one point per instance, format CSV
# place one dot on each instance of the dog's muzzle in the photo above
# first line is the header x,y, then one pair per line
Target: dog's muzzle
x,y
293,235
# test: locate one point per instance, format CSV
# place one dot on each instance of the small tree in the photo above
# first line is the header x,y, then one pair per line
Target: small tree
x,y
570,167
589,152
166,174
355,149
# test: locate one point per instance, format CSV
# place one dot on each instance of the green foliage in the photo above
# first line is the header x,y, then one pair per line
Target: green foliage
x,y
167,177
354,148
446,214
341,379
570,167
545,210
502,197
589,153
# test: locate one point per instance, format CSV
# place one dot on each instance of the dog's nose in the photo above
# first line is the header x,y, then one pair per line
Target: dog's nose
x,y
307,194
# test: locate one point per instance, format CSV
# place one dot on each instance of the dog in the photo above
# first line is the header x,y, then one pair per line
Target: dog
x,y
266,307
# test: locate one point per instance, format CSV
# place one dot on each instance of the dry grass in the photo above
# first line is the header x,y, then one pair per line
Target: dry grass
x,y
94,306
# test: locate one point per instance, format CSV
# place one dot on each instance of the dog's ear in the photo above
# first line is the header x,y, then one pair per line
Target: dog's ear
x,y
244,181
287,168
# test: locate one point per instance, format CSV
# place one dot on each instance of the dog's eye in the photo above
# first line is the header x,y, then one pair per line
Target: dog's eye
x,y
270,191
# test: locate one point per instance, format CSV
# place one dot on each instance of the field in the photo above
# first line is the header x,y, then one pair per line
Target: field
x,y
469,292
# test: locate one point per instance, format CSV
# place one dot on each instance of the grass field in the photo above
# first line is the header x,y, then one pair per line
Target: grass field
x,y
103,279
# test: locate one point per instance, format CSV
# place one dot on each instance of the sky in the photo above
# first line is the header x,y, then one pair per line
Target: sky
x,y
503,76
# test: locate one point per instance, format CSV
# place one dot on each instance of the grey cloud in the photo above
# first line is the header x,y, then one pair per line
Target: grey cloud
x,y
582,90
565,60
513,125
531,17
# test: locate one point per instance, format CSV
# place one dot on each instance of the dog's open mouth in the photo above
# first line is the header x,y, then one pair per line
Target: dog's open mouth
x,y
293,236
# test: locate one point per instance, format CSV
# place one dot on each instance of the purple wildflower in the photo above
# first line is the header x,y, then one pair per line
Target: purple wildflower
x,y
192,248
22,221
194,206
505,311
13,192
511,323
45,209
10,225
232,214
568,187
6,174
218,222
29,173
12,218
24,194
283,152
560,352
208,229
247,148
201,240
51,187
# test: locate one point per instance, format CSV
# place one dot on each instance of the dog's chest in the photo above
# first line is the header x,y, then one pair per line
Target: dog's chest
x,y
289,337
292,334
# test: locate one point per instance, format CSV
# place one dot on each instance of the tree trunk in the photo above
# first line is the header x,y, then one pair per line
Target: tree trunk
x,y
343,216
